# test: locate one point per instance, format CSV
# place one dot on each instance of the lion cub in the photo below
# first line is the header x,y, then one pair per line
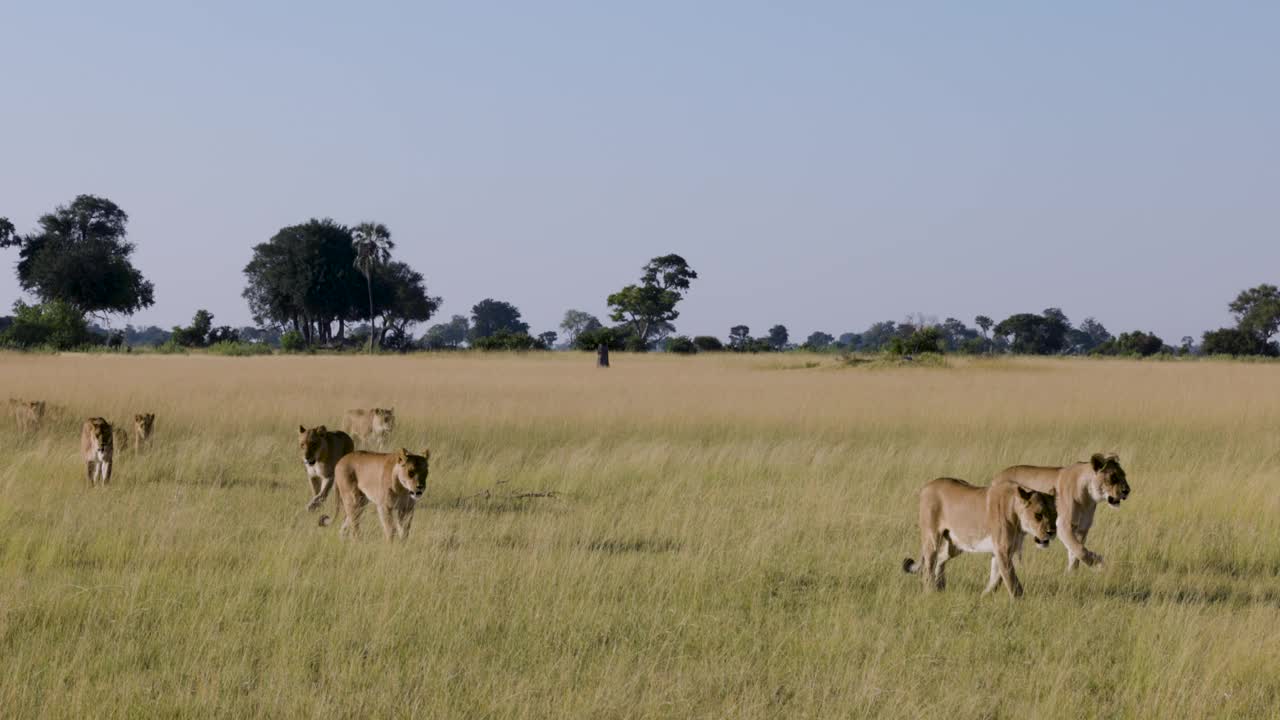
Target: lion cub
x,y
371,427
27,413
97,448
957,517
392,482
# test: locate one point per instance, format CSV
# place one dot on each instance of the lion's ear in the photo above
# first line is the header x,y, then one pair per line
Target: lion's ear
x,y
403,455
426,454
1024,493
321,430
1098,461
302,429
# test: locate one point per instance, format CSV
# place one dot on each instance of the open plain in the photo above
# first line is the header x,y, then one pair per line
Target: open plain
x,y
717,536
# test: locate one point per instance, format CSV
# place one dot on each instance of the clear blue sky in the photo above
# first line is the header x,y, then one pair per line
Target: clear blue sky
x,y
821,164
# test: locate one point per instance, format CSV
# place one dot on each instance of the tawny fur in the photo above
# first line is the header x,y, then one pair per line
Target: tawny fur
x,y
957,517
393,482
321,450
370,427
1078,488
97,447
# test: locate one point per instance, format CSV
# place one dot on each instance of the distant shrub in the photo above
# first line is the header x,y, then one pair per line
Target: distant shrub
x,y
55,324
1233,341
925,340
708,343
239,349
171,347
681,345
589,340
292,342
503,340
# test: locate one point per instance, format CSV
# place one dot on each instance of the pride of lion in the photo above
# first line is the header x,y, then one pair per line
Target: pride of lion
x,y
955,516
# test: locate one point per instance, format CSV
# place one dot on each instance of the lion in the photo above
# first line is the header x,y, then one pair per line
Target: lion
x,y
372,426
144,426
1078,488
27,413
957,517
97,448
392,482
321,450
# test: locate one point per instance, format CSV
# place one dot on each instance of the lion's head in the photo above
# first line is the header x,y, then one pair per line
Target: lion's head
x,y
1037,515
411,471
102,435
384,420
312,443
143,424
1109,482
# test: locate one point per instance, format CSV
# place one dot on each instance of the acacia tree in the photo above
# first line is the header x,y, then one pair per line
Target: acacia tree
x,y
373,245
576,322
778,337
649,308
80,256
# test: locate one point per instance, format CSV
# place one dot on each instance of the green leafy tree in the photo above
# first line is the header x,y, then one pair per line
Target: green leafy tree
x,y
489,317
818,340
985,324
651,305
305,277
1033,334
373,245
447,335
778,337
739,338
80,256
400,294
56,324
1257,311
1234,341
708,343
548,338
197,333
1090,335
680,345
576,322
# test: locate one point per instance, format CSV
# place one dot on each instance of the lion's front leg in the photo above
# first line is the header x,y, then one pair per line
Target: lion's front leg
x,y
994,580
384,517
90,471
404,519
1004,564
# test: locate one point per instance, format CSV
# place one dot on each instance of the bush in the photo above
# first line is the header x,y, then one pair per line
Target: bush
x,y
292,342
54,324
503,340
1234,341
239,349
589,340
925,340
681,345
708,343
1141,344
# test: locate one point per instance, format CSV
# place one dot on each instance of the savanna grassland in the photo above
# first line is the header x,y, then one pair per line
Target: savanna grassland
x,y
724,541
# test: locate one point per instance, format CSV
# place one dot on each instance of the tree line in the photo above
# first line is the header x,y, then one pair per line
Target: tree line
x,y
322,284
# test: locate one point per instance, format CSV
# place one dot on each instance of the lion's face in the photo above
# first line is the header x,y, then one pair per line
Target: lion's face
x,y
384,420
103,437
35,408
311,443
1110,483
144,423
412,471
1037,514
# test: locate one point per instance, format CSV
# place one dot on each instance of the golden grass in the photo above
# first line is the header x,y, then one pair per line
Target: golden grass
x,y
726,542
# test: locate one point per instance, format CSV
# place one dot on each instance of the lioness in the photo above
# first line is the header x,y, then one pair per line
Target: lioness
x,y
392,482
1078,489
957,517
144,426
321,451
97,449
372,426
27,413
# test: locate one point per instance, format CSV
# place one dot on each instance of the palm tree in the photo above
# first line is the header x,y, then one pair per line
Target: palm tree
x,y
372,242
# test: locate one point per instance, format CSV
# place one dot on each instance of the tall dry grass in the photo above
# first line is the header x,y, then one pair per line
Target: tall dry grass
x,y
725,542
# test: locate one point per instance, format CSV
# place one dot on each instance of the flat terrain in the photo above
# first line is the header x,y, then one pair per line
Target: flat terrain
x,y
725,542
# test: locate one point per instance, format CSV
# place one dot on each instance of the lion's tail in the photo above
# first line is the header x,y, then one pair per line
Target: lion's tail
x,y
910,566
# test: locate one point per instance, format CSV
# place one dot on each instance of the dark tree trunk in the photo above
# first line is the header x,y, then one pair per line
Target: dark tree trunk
x,y
602,356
